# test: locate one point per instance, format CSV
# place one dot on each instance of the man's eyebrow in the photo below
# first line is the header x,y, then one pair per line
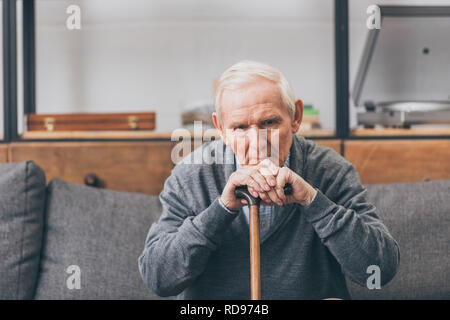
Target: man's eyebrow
x,y
238,123
271,116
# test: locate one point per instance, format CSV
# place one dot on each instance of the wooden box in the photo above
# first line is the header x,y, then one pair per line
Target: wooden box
x,y
90,121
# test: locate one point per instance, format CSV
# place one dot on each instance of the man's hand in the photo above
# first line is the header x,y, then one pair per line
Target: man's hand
x,y
303,192
256,182
266,181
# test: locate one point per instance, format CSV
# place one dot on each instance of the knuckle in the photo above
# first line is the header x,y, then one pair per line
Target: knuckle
x,y
265,171
264,196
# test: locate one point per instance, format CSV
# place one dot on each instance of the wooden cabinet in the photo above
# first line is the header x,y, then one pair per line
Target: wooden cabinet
x,y
3,153
391,161
333,144
123,166
141,166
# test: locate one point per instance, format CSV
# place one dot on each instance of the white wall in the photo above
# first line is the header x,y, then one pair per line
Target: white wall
x,y
161,59
141,55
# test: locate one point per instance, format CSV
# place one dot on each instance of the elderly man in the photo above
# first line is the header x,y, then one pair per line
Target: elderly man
x,y
310,240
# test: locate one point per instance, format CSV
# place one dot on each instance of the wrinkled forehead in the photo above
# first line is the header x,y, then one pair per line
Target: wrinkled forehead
x,y
259,93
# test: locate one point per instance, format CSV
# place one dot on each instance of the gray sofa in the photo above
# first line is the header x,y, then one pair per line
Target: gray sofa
x,y
46,230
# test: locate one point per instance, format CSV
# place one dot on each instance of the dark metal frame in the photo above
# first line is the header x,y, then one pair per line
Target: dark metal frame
x,y
10,70
342,68
29,57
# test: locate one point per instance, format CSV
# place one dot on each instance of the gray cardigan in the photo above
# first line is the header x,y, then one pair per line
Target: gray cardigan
x,y
198,250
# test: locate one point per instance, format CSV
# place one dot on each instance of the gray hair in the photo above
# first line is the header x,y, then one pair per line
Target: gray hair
x,y
245,72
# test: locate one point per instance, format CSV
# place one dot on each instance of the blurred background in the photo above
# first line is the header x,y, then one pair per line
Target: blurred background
x,y
84,71
165,55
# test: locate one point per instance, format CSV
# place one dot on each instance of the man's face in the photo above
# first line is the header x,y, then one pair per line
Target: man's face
x,y
256,123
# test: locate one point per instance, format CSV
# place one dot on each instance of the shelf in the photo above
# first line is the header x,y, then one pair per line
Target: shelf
x,y
142,134
399,132
122,134
150,134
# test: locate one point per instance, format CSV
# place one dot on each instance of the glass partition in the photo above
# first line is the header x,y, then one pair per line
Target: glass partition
x,y
107,56
2,111
399,72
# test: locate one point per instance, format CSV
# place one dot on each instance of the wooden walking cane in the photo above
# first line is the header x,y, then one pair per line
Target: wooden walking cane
x,y
255,259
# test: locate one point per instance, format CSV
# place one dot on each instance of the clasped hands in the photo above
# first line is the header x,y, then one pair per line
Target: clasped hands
x,y
266,181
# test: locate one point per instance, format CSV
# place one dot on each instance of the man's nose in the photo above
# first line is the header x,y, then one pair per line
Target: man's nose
x,y
252,135
257,140
252,138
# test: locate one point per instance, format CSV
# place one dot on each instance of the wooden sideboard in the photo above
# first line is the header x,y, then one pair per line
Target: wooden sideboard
x,y
123,166
143,166
3,153
140,166
391,161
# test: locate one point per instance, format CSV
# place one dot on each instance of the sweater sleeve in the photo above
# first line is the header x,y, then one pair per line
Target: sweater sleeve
x,y
179,245
348,225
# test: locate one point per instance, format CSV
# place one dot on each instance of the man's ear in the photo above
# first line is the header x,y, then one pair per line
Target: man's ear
x,y
218,125
298,115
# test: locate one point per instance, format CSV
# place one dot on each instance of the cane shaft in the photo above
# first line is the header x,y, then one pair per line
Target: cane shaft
x,y
255,265
242,192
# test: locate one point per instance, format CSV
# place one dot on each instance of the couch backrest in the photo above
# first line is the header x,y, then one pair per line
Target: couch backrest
x,y
418,217
92,241
96,236
22,201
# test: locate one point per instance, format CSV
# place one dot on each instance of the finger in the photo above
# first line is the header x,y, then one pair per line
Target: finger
x,y
267,174
253,192
270,165
241,179
245,180
264,197
282,180
274,197
259,178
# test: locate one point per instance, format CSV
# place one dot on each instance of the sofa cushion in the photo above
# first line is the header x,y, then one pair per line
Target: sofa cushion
x,y
93,238
417,215
22,202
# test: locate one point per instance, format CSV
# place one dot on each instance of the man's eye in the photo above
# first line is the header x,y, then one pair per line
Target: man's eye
x,y
239,128
269,122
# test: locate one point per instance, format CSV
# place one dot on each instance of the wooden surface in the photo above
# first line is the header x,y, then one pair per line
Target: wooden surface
x,y
144,134
124,134
123,166
391,161
151,134
334,144
91,121
399,132
3,153
141,166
